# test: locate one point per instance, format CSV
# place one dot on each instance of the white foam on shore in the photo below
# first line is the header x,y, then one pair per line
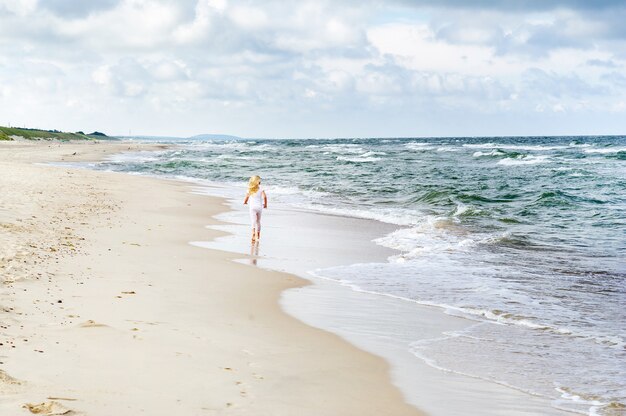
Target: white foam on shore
x,y
388,216
135,157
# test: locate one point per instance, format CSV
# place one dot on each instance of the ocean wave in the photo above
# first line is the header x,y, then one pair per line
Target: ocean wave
x,y
293,195
511,318
433,235
494,152
358,159
288,190
606,150
135,157
373,153
234,156
463,210
434,196
480,145
418,146
479,314
389,216
525,160
574,144
569,401
226,145
344,148
259,148
594,403
557,198
513,147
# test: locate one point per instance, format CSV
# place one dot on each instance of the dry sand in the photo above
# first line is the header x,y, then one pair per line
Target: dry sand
x,y
105,309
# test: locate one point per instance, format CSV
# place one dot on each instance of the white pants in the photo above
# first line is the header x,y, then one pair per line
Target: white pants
x,y
255,218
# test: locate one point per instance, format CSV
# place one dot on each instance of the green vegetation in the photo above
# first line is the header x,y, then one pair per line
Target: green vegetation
x,y
6,133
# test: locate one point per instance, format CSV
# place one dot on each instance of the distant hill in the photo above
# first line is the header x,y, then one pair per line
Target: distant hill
x,y
214,137
8,133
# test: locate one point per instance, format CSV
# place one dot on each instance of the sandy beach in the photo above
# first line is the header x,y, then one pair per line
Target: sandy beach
x,y
106,309
441,190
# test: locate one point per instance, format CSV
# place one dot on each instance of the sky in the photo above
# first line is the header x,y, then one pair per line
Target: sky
x,y
315,68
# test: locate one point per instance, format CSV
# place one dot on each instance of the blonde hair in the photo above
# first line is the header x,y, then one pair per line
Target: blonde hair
x,y
253,184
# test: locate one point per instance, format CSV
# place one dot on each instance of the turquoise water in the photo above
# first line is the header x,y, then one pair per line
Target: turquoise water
x,y
526,236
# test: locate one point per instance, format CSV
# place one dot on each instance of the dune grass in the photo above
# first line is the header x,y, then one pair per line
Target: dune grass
x,y
7,133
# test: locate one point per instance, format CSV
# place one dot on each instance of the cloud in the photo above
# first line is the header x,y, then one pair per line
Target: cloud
x,y
608,63
614,79
553,84
519,5
322,63
127,78
76,9
534,35
17,7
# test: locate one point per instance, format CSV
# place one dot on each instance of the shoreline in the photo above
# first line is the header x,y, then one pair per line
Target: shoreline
x,y
384,325
110,328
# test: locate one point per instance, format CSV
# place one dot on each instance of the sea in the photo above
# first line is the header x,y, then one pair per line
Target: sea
x,y
523,236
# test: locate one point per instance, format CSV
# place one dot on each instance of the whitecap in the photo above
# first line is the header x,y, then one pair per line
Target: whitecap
x,y
418,146
494,152
480,145
606,150
574,144
513,147
358,159
373,153
525,160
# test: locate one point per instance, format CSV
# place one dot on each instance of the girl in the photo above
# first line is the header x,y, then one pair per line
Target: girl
x,y
258,201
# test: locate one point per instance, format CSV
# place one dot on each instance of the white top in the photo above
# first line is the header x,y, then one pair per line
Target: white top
x,y
255,201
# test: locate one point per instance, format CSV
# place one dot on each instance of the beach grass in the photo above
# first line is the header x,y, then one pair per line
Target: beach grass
x,y
8,133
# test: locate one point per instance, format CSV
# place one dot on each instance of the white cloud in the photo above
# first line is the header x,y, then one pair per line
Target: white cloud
x,y
133,24
198,28
251,18
416,47
102,75
18,7
206,64
167,70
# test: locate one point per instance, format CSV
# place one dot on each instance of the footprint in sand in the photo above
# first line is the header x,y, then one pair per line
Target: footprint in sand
x,y
48,408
